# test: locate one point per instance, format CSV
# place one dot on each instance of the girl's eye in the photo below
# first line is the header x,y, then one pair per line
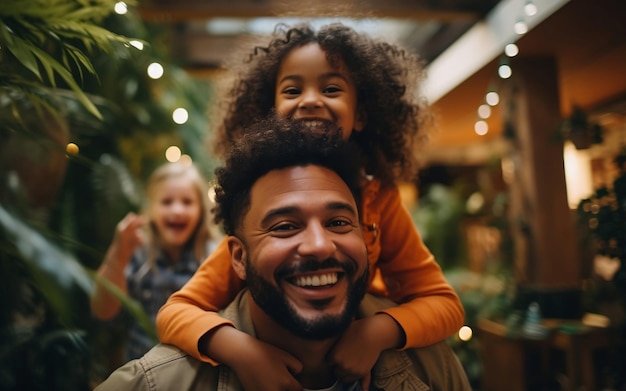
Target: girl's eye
x,y
332,90
291,91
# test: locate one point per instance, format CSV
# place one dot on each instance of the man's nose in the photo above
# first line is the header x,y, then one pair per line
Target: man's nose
x,y
317,242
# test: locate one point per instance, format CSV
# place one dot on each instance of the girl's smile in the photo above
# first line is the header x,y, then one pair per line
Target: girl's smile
x,y
308,87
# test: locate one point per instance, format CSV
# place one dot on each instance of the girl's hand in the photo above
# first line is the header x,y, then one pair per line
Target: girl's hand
x,y
356,352
258,365
128,236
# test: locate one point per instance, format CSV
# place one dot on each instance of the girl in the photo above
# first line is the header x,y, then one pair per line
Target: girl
x,y
368,88
154,254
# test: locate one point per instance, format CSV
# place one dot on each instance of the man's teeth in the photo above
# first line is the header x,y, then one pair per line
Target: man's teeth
x,y
324,279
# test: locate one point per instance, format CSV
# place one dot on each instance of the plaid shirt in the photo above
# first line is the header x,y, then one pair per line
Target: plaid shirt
x,y
152,288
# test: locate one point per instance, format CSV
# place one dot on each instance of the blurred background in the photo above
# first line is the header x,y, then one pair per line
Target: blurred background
x,y
520,195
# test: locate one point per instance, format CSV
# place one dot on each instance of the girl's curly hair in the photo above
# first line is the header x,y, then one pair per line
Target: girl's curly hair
x,y
272,144
386,78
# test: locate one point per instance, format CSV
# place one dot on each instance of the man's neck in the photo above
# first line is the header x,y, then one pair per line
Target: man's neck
x,y
316,373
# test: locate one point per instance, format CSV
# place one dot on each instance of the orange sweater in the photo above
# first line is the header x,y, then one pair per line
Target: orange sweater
x,y
402,268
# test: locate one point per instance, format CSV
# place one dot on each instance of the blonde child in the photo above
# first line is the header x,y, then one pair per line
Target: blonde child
x,y
368,88
154,254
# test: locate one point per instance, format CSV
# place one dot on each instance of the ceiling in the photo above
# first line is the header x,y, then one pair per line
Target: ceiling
x,y
203,30
586,38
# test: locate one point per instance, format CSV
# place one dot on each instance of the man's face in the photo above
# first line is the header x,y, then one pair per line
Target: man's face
x,y
301,250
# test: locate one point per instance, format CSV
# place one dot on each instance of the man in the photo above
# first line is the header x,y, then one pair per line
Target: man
x,y
288,199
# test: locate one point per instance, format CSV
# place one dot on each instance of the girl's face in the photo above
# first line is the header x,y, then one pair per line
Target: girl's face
x,y
309,88
175,210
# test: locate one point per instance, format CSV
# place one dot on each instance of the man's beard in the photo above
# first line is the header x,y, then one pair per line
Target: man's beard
x,y
273,302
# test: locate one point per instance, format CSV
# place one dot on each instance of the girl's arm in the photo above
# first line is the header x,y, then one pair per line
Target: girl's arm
x,y
127,238
429,309
189,320
191,312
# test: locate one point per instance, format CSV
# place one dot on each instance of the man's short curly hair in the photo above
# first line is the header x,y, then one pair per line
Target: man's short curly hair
x,y
387,82
272,144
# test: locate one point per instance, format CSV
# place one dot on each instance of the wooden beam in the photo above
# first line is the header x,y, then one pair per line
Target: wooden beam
x,y
187,10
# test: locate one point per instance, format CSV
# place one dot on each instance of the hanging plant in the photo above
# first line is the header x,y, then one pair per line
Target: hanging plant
x,y
580,131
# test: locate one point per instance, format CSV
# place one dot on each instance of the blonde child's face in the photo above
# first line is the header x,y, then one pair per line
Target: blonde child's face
x,y
176,210
309,88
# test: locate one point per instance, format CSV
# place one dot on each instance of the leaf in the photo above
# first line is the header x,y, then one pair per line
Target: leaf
x,y
21,50
69,79
55,272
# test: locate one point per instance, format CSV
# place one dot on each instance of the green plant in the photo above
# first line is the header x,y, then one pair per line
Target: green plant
x,y
69,73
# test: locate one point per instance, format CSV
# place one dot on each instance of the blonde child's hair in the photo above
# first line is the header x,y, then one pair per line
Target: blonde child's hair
x,y
204,232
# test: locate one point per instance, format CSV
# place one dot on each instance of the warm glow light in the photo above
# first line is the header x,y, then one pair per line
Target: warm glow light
x,y
120,8
155,70
211,194
578,180
137,44
465,333
475,202
481,128
484,111
520,27
492,98
185,159
504,71
180,115
530,9
508,170
71,149
173,154
511,50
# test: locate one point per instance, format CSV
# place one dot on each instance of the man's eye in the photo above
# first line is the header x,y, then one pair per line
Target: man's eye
x,y
341,225
283,227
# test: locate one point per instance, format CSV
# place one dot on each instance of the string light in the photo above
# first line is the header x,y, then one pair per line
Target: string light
x,y
155,70
492,98
137,44
530,8
504,71
180,115
71,149
465,333
481,127
520,27
484,111
173,154
511,50
120,8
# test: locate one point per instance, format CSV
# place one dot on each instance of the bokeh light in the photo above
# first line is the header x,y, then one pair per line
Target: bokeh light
x,y
173,154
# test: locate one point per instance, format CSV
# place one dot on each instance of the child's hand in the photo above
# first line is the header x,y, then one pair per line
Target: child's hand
x,y
268,369
128,236
258,365
356,352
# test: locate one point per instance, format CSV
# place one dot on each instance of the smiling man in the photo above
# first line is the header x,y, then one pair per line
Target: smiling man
x,y
288,199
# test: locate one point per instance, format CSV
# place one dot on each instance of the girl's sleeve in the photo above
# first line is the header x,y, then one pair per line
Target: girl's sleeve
x,y
430,309
191,312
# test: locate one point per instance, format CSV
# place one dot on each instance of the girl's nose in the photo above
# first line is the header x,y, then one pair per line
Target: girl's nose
x,y
310,99
316,242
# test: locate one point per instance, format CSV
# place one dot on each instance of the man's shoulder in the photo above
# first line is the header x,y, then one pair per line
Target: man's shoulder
x,y
164,367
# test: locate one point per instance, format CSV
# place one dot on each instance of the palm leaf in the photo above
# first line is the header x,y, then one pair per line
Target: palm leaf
x,y
26,26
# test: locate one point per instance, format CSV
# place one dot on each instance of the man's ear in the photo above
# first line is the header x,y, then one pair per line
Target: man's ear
x,y
238,256
360,120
